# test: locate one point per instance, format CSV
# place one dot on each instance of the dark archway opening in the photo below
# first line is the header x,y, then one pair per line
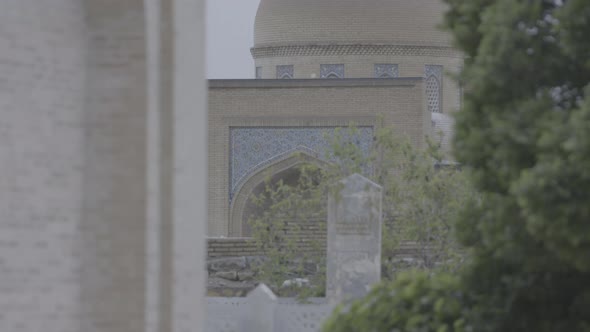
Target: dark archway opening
x,y
290,177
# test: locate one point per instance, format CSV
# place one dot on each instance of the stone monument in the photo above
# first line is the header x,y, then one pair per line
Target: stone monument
x,y
354,238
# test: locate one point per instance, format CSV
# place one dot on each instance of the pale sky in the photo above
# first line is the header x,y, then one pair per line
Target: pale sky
x,y
230,33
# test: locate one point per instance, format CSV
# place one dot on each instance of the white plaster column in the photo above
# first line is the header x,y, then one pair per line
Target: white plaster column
x,y
189,213
177,173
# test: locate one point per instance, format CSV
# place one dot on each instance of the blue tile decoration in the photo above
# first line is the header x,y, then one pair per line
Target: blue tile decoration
x,y
332,71
386,70
253,148
285,72
433,70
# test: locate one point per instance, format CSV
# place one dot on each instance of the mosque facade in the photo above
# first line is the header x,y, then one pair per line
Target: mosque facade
x,y
319,65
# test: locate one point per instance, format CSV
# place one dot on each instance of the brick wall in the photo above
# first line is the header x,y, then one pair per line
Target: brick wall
x,y
362,66
237,247
308,238
406,22
399,102
231,247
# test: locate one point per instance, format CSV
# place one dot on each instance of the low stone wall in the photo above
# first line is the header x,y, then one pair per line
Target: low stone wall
x,y
231,261
309,235
243,246
231,247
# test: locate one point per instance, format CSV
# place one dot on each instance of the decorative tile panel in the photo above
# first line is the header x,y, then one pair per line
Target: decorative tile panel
x,y
252,148
285,72
258,72
434,75
384,70
364,50
433,70
332,71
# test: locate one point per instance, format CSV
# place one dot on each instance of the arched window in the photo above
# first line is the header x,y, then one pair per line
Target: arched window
x,y
285,72
332,71
385,70
433,77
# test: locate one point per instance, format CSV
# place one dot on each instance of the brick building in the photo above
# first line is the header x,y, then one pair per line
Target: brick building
x,y
322,64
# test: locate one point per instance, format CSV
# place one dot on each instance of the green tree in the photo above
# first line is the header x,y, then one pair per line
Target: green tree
x,y
421,196
412,302
524,134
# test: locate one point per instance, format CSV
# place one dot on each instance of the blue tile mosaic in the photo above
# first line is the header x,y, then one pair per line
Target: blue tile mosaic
x,y
253,148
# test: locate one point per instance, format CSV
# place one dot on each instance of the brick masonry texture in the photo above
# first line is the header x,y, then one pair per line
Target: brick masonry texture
x,y
309,236
42,82
303,103
72,165
399,22
231,247
88,159
240,247
113,226
363,66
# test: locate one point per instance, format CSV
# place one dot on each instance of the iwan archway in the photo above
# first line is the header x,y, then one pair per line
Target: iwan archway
x,y
285,168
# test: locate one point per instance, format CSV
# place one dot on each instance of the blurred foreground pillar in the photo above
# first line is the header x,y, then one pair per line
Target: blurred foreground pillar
x,y
102,165
177,157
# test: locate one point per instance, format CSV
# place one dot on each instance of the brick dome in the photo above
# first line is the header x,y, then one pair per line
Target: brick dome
x,y
382,22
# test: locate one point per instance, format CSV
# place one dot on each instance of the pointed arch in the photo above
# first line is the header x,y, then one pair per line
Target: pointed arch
x,y
332,71
433,75
433,94
285,72
246,189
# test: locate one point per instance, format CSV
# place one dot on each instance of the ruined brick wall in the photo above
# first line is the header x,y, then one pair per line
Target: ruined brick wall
x,y
231,247
309,237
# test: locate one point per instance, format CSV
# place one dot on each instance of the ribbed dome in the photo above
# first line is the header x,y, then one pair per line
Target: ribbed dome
x,y
391,22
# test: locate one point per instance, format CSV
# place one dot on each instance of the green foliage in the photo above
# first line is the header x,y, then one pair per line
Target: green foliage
x,y
524,135
413,302
284,210
423,193
420,198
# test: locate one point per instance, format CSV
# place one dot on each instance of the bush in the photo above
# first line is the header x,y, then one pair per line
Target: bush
x,y
420,200
415,301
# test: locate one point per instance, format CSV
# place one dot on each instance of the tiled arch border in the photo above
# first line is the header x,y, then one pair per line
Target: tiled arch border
x,y
236,207
243,193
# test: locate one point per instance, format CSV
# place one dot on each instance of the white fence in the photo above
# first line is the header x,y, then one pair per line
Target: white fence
x,y
261,311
